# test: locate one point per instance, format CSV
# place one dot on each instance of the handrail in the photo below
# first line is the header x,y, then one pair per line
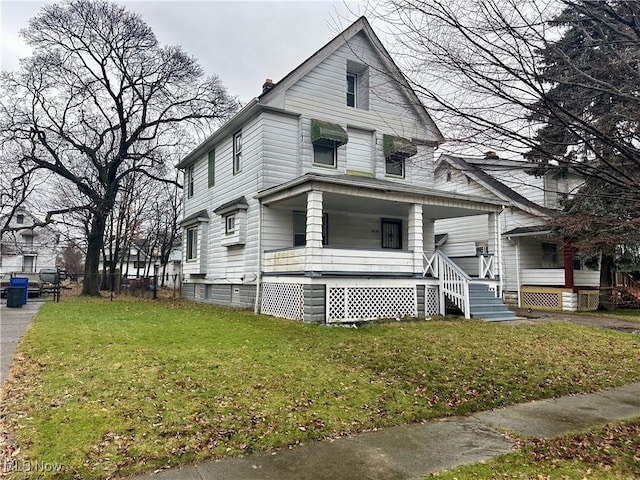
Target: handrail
x,y
454,282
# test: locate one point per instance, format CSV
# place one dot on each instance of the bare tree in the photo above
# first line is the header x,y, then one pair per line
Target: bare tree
x,y
555,80
100,100
482,67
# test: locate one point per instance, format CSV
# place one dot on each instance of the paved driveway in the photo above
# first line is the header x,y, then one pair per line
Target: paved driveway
x,y
13,324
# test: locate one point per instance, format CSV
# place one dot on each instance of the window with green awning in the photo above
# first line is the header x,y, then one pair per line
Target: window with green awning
x,y
398,148
323,131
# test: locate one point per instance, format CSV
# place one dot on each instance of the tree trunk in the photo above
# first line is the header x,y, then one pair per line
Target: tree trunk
x,y
607,293
91,285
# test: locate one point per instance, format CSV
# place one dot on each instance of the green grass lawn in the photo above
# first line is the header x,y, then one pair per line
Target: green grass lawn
x,y
117,388
608,453
632,315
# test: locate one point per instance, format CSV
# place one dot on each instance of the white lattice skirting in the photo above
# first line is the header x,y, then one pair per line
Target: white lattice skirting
x,y
284,300
369,303
541,299
431,301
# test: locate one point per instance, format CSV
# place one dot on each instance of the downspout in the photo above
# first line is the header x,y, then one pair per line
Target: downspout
x,y
517,269
259,263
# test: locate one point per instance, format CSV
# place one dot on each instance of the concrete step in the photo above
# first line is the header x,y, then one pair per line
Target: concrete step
x,y
497,317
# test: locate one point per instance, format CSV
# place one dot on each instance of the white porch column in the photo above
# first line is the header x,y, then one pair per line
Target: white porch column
x,y
314,232
416,243
495,245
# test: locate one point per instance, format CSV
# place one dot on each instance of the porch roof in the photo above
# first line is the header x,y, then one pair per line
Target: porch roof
x,y
528,231
374,188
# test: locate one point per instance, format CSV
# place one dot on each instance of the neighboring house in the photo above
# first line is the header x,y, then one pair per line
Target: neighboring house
x,y
539,270
25,247
317,202
137,261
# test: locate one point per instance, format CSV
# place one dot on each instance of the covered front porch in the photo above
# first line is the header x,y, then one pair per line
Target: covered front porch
x,y
374,238
550,273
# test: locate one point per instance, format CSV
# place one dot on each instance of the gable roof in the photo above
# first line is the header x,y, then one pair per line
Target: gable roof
x,y
494,185
361,25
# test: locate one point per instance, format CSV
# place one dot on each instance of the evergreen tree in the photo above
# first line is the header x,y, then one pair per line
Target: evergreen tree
x,y
590,115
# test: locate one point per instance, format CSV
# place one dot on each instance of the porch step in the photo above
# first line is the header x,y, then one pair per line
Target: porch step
x,y
486,306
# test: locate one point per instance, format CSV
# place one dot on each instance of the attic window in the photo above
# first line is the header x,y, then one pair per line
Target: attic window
x,y
357,85
20,218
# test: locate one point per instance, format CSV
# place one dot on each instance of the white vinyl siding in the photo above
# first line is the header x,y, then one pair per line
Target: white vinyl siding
x,y
360,151
321,94
281,141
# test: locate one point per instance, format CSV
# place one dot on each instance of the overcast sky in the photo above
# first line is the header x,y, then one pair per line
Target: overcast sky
x,y
242,42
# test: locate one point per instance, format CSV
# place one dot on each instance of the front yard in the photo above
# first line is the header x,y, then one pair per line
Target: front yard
x,y
116,388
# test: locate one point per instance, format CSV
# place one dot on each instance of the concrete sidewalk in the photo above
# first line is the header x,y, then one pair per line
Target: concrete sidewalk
x,y
13,324
415,451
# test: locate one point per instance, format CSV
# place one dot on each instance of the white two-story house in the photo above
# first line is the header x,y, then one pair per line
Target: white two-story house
x,y
539,269
27,247
317,200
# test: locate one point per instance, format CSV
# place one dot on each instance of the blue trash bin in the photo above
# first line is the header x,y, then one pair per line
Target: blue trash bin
x,y
20,282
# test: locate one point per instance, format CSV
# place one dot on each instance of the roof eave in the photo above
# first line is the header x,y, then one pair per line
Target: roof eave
x,y
246,112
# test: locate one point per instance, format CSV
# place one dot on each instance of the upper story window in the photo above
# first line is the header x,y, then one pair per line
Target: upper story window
x,y
326,137
212,168
20,218
396,151
357,85
237,152
325,153
352,89
189,181
394,167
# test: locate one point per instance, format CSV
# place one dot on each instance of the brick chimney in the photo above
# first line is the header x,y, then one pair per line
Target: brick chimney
x,y
491,155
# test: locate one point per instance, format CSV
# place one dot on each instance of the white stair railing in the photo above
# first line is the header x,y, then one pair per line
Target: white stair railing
x,y
453,281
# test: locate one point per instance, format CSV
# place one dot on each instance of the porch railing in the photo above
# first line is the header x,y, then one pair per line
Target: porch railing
x,y
453,281
486,267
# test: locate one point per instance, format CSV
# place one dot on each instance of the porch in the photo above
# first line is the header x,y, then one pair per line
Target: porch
x,y
364,248
550,275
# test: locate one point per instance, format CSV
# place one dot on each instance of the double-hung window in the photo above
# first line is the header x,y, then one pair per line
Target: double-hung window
x,y
189,181
237,152
352,89
212,168
192,243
